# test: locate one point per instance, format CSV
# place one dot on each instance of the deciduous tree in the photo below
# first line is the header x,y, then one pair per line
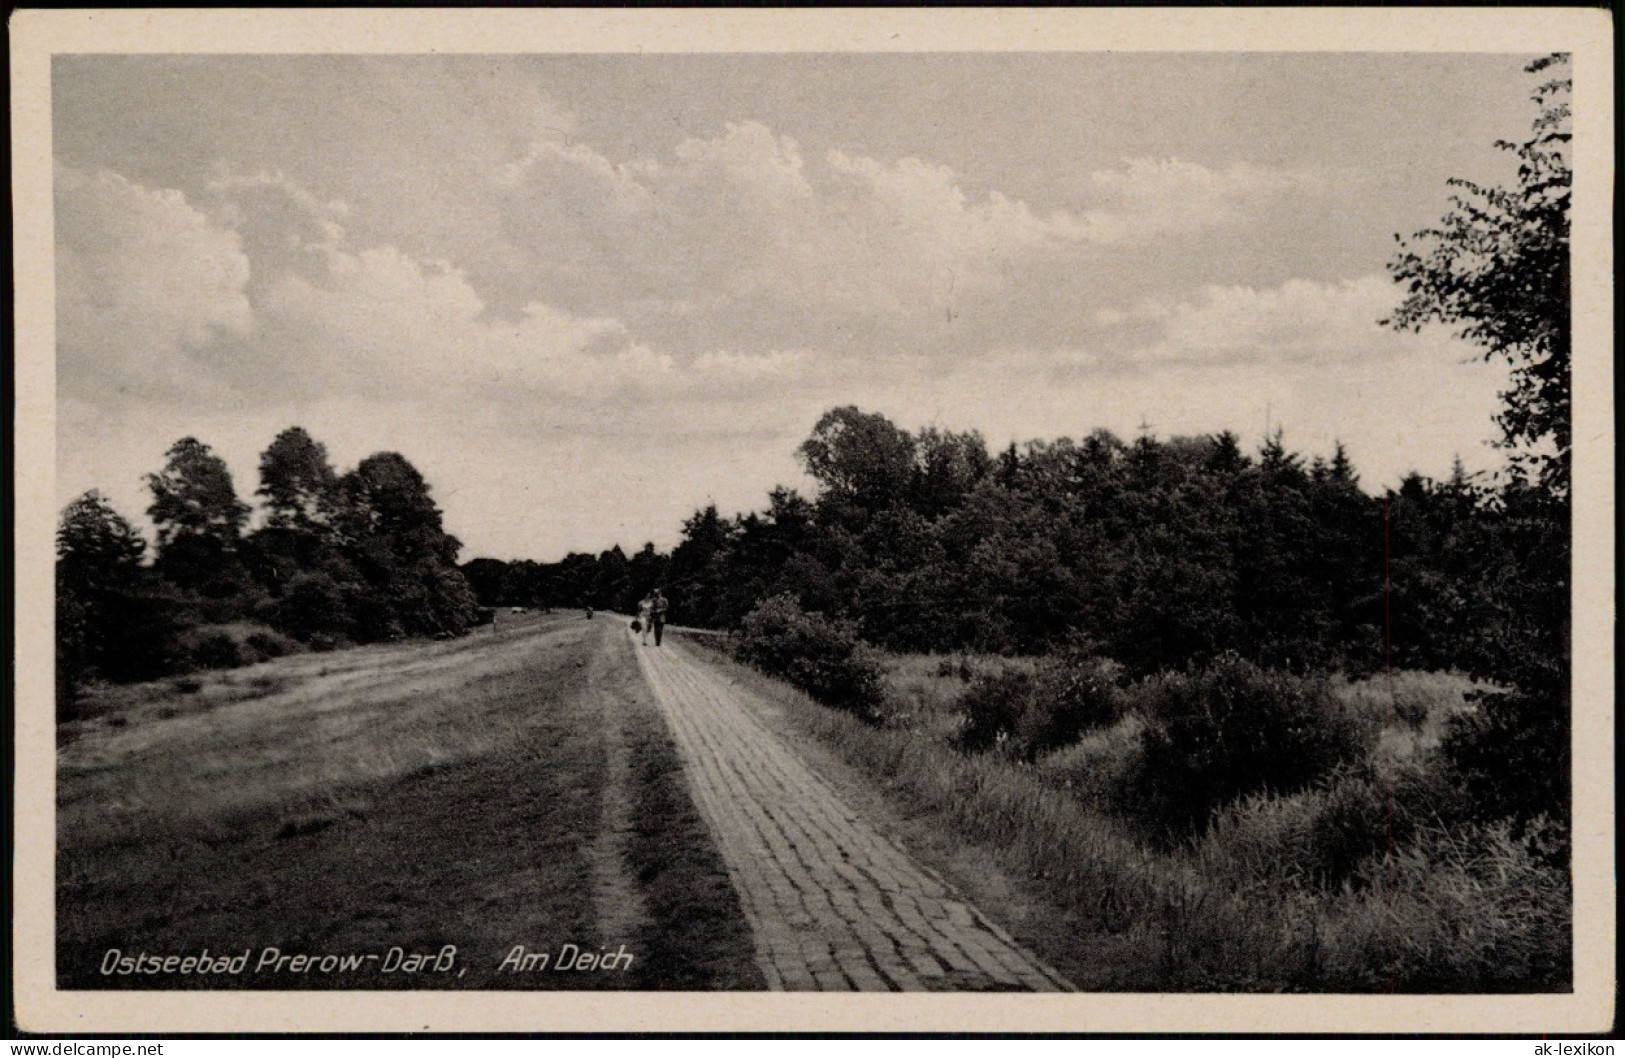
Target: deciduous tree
x,y
111,619
1497,269
199,520
298,483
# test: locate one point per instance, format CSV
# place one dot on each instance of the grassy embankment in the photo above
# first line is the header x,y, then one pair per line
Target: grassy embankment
x,y
1339,887
516,787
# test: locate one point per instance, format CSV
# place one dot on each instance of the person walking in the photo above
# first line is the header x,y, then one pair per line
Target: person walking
x,y
657,614
645,606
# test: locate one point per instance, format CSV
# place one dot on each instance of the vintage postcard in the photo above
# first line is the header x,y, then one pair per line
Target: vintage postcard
x,y
891,520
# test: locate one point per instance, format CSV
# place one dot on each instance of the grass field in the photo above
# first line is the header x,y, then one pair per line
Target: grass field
x,y
512,788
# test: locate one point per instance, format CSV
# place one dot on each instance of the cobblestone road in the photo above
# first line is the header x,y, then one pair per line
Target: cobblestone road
x,y
834,904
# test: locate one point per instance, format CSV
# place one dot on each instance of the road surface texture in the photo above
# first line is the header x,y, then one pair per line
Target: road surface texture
x,y
834,904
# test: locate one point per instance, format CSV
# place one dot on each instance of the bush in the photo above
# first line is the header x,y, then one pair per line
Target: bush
x,y
1359,818
993,706
213,648
240,604
138,636
1032,713
227,646
323,642
266,644
1081,693
1321,837
822,657
70,654
375,618
1231,729
1511,752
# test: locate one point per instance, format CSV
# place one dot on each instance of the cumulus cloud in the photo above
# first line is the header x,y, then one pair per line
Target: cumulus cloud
x,y
734,267
1153,198
146,285
761,244
257,289
283,227
256,295
1298,321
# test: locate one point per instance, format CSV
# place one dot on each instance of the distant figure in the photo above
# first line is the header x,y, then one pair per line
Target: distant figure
x,y
589,613
645,611
657,614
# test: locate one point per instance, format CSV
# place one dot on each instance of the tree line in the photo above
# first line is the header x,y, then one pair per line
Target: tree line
x,y
608,580
1157,553
337,558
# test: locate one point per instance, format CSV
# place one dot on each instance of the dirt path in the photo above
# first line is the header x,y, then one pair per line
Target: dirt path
x,y
834,904
621,909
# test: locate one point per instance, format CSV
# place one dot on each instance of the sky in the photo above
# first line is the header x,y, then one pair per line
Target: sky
x,y
587,295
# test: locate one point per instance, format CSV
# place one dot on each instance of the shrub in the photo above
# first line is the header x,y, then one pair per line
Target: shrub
x,y
1359,818
1320,837
993,706
1033,713
214,648
140,636
231,645
70,653
820,656
1081,693
323,642
1511,753
266,644
375,617
1231,729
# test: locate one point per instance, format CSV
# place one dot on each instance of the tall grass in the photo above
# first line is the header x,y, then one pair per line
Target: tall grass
x,y
1359,881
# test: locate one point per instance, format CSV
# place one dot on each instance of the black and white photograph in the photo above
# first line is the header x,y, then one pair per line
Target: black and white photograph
x,y
878,516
